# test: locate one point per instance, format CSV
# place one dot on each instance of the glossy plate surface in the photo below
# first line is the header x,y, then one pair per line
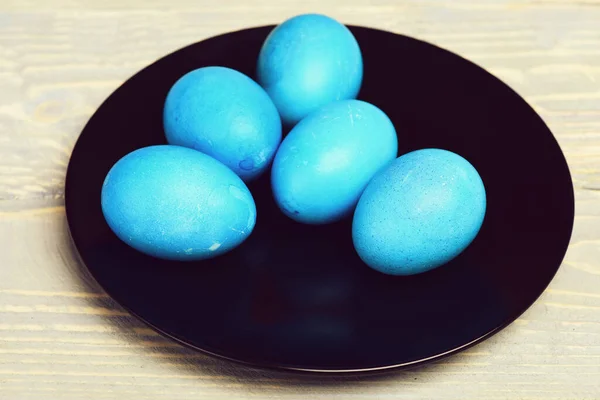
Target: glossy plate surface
x,y
298,297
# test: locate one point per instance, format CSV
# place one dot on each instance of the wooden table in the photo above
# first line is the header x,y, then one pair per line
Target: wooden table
x,y
62,337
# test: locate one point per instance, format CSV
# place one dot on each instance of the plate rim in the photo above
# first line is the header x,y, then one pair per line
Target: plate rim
x,y
315,371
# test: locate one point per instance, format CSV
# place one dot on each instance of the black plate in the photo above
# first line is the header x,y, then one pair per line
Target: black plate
x,y
298,297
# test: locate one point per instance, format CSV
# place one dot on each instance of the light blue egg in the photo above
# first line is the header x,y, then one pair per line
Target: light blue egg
x,y
225,114
325,162
308,61
419,213
176,203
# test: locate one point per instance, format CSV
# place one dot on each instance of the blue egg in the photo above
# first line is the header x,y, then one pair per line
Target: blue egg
x,y
325,162
419,213
176,203
307,62
225,114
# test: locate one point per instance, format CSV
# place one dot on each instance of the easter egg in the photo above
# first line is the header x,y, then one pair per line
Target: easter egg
x,y
418,213
325,162
176,203
308,61
225,114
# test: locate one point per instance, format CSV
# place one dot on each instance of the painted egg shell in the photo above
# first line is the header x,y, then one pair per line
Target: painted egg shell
x,y
225,114
176,203
325,162
307,62
418,213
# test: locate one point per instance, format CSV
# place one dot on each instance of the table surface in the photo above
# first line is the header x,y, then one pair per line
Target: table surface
x,y
62,337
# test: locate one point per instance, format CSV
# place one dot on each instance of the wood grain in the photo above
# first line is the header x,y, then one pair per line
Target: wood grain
x,y
62,337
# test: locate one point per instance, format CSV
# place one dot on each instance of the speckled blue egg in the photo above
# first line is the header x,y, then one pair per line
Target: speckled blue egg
x,y
325,162
420,212
308,61
225,114
176,203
